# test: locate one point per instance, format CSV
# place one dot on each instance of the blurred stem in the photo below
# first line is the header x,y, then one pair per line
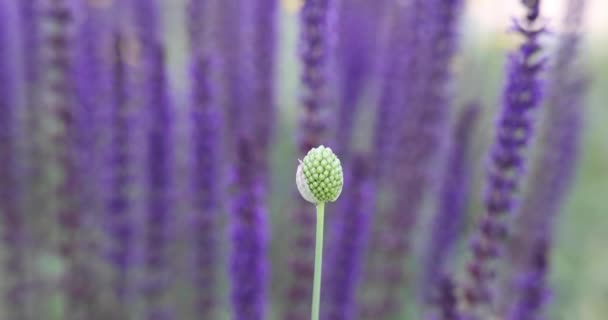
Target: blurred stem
x,y
316,293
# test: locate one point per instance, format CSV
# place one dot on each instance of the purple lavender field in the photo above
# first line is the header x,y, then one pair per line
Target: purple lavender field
x,y
148,154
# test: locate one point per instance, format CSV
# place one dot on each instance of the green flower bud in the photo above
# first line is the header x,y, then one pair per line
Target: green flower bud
x,y
319,176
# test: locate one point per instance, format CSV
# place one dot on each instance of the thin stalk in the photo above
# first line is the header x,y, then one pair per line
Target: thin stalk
x,y
316,293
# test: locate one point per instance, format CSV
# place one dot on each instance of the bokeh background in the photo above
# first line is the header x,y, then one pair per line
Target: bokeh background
x,y
580,260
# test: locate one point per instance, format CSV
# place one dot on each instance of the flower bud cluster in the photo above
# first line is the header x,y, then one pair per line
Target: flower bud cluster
x,y
319,176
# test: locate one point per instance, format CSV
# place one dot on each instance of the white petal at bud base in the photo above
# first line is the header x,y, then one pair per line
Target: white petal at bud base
x,y
303,186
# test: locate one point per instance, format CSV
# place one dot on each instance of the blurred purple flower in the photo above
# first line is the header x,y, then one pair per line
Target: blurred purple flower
x,y
235,60
206,180
249,233
315,44
423,112
92,74
14,293
348,241
30,17
119,209
157,110
247,70
29,12
356,55
205,117
315,41
196,15
446,299
532,283
264,41
59,103
394,67
158,213
522,95
452,205
555,164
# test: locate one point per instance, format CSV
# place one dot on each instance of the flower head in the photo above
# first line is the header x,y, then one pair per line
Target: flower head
x,y
319,176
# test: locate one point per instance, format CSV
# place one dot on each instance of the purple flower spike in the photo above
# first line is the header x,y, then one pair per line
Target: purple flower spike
x,y
14,295
235,62
446,299
395,66
248,229
34,162
29,11
522,95
350,233
315,47
158,211
452,207
155,107
264,58
532,283
423,111
357,27
119,154
205,117
555,165
315,43
196,11
92,85
247,51
59,103
248,76
206,166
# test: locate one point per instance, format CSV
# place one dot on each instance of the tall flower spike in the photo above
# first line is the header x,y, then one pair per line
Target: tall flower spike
x,y
14,294
264,49
427,53
447,299
244,85
159,217
38,145
234,42
452,206
122,125
206,167
248,229
29,11
206,183
315,41
58,99
195,23
35,146
155,106
92,85
522,96
29,18
554,166
356,45
393,68
263,44
348,241
532,283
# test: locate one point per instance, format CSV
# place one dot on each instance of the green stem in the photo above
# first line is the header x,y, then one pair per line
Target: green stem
x,y
316,291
